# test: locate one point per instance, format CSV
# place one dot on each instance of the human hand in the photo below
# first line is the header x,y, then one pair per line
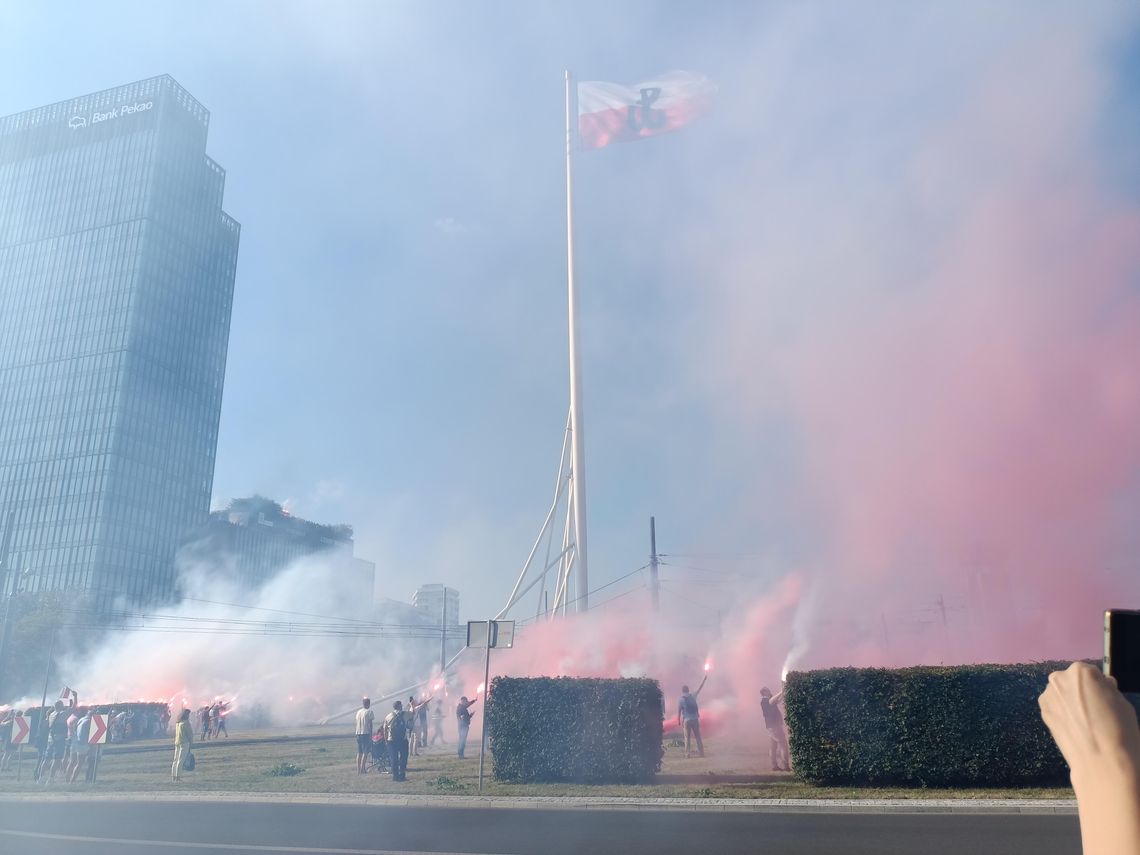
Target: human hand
x,y
1094,726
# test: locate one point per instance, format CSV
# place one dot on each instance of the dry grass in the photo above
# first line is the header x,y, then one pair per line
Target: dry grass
x,y
328,766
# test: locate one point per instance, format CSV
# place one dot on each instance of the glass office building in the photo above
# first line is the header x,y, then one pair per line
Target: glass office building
x,y
117,271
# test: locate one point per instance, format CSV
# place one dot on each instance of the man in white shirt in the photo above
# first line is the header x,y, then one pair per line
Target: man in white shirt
x,y
364,721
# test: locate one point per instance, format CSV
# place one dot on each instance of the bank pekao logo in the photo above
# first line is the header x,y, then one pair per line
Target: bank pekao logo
x,y
122,110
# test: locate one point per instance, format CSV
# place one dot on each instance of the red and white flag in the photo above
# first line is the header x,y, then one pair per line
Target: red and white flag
x,y
613,113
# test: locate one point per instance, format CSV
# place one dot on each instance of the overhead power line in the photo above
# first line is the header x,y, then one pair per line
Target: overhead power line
x,y
594,591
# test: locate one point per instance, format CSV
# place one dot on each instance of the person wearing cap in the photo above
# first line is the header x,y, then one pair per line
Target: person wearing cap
x,y
365,719
777,736
463,715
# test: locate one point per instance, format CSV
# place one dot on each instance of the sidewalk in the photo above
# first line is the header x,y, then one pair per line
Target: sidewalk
x,y
873,806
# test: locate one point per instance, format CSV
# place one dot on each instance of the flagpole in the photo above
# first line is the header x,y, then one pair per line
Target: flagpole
x,y
577,423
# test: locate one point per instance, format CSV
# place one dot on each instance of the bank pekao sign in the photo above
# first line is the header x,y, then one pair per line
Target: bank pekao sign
x,y
114,113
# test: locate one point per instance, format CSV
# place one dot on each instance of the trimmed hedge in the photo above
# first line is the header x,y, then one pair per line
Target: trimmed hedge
x,y
575,729
969,726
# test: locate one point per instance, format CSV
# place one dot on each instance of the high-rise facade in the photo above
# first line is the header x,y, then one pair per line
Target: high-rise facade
x,y
253,540
117,268
438,602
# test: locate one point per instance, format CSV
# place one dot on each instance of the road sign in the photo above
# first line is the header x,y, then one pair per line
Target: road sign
x,y
98,729
502,633
20,730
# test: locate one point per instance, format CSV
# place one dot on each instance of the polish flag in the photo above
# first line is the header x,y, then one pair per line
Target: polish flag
x,y
612,113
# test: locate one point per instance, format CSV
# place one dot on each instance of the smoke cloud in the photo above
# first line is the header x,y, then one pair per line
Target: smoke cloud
x,y
928,277
897,271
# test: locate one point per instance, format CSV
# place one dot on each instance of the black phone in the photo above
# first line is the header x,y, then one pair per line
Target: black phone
x,y
1122,649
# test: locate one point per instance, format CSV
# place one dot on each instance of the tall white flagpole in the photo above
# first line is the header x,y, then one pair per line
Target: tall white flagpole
x,y
577,423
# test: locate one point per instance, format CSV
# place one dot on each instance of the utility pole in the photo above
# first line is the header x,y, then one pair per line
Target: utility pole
x,y
6,587
47,676
4,544
443,634
654,586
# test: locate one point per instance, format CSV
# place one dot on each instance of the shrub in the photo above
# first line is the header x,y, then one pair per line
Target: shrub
x,y
575,729
285,770
443,782
971,726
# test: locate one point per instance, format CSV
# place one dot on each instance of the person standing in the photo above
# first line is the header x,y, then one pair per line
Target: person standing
x,y
204,722
365,721
42,742
7,749
437,724
689,717
396,736
183,742
413,731
81,748
57,741
422,723
463,716
777,736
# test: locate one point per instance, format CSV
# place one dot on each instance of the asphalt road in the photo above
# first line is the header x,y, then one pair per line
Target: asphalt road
x,y
192,828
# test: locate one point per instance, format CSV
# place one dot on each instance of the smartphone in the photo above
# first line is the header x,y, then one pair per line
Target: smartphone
x,y
1122,649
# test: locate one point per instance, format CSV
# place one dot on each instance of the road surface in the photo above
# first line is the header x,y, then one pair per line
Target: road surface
x,y
195,828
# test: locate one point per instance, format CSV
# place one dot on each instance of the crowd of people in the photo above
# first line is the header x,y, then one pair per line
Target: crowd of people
x,y
212,720
59,734
403,733
60,737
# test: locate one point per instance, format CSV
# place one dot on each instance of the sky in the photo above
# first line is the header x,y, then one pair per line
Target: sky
x,y
778,304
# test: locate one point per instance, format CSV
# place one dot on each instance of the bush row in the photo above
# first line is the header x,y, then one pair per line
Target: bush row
x,y
967,726
574,729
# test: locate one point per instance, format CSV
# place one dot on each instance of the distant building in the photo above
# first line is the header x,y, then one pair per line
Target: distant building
x,y
426,637
254,539
438,603
117,267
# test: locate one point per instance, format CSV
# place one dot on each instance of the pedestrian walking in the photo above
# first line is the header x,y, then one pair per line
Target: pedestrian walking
x,y
463,717
183,743
777,736
437,724
396,736
365,719
689,717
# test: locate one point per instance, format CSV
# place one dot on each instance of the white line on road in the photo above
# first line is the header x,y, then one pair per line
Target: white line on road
x,y
244,847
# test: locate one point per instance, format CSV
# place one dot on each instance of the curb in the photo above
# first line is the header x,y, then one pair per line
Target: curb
x,y
620,803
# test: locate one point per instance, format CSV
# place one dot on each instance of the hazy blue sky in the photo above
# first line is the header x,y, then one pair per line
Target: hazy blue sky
x,y
397,356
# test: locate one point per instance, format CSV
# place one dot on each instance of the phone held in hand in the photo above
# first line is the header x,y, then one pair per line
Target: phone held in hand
x,y
1122,651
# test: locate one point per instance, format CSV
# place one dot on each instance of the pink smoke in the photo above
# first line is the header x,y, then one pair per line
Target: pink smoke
x,y
954,345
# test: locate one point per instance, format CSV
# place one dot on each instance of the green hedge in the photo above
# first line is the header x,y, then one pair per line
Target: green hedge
x,y
575,729
969,726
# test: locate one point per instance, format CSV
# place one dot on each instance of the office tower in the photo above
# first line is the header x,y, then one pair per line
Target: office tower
x,y
117,268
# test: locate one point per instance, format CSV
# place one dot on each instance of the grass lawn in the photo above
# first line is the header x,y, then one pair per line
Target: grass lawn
x,y
328,766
